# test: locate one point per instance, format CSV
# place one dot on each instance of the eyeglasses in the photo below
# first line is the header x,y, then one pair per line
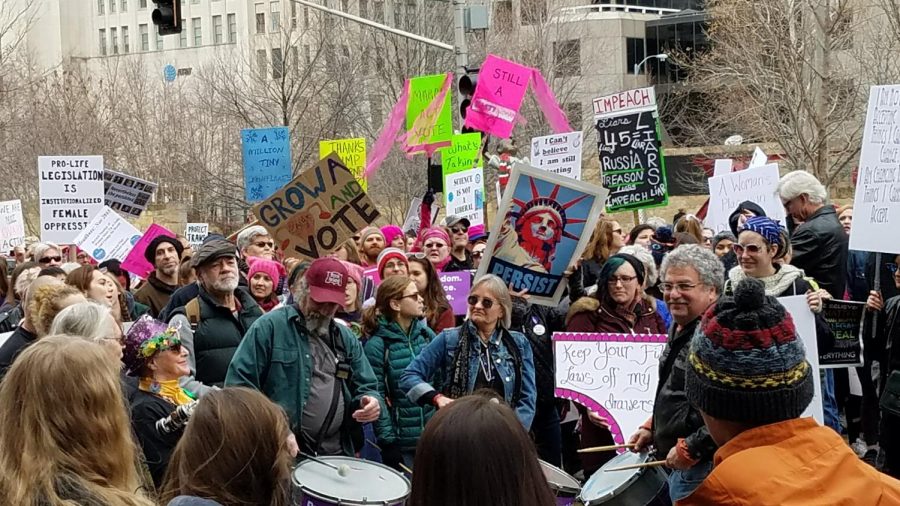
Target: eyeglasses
x,y
681,287
477,254
413,295
459,230
417,254
485,302
753,249
615,280
617,231
47,260
434,245
394,265
265,244
891,267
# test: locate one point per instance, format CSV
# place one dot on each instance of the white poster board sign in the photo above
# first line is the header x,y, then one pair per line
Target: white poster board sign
x,y
876,205
108,236
195,233
722,167
12,225
464,195
758,159
758,185
411,222
127,195
805,323
71,189
559,154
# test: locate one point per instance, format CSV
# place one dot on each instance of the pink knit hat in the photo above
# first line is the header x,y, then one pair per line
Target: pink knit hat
x,y
268,267
387,254
390,232
432,233
355,272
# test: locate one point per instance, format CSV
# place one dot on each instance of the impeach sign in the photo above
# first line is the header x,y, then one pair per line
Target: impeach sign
x,y
317,211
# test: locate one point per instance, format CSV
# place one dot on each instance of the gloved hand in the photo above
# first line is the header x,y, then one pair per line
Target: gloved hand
x,y
428,198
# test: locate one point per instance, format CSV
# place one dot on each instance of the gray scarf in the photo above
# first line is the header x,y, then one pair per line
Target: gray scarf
x,y
775,284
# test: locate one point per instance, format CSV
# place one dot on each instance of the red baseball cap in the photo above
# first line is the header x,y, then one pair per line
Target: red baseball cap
x,y
327,280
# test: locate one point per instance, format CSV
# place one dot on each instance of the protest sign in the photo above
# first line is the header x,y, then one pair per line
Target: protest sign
x,y
758,185
464,153
456,286
317,211
135,262
195,233
631,160
559,154
411,222
758,159
722,167
422,91
543,224
108,236
613,374
71,189
267,161
464,195
501,87
352,152
876,203
12,225
805,323
846,321
127,195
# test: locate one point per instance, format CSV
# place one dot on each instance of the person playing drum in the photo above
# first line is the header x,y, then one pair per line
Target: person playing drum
x,y
693,278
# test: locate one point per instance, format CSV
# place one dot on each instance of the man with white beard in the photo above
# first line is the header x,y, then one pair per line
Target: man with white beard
x,y
312,366
213,324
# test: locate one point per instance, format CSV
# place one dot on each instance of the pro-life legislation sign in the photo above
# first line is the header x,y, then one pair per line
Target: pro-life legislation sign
x,y
71,189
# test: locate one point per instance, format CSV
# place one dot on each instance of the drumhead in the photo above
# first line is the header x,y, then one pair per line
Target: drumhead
x,y
605,484
559,480
365,483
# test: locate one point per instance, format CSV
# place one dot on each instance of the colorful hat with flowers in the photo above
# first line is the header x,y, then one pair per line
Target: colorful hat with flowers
x,y
146,337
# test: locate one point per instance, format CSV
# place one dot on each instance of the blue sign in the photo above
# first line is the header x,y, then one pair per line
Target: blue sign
x,y
170,72
267,161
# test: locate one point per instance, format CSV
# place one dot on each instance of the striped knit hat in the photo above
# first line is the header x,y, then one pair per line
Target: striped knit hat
x,y
747,363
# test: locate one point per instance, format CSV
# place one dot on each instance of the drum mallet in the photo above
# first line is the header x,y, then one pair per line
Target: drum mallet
x,y
342,469
655,463
596,449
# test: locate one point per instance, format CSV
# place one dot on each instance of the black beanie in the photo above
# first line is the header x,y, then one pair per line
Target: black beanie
x,y
150,252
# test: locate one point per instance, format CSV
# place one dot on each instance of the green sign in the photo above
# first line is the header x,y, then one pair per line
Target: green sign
x,y
461,155
422,91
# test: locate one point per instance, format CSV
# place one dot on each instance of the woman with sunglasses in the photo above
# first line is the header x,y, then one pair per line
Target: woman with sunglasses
x,y
482,353
435,243
438,312
154,354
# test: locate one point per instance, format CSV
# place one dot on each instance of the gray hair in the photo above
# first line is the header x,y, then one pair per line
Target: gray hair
x,y
651,276
655,222
38,250
702,260
247,235
87,320
69,266
500,291
800,182
26,277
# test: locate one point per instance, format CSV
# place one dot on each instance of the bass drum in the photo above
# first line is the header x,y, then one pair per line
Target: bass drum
x,y
631,487
364,483
564,486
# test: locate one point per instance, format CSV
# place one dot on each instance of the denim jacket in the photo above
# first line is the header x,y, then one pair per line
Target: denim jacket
x,y
436,359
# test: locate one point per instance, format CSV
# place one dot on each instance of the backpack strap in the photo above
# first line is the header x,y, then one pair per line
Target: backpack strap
x,y
192,312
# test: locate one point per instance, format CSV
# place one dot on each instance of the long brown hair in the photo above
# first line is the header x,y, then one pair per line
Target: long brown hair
x,y
59,435
690,224
352,251
599,247
234,451
436,302
81,277
478,429
390,289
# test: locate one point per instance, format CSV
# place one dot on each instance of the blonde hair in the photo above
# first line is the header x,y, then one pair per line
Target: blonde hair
x,y
47,303
62,436
690,224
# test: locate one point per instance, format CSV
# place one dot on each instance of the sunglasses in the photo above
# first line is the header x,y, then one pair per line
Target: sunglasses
x,y
434,245
753,249
47,260
264,244
477,254
459,230
413,295
891,267
485,302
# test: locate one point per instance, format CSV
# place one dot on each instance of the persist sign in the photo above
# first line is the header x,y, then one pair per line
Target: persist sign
x,y
71,193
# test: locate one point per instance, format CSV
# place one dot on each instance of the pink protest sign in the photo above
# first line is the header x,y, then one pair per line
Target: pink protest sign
x,y
135,262
501,87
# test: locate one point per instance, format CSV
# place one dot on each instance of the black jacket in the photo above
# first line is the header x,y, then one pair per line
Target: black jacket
x,y
17,342
583,278
146,409
455,264
820,249
538,323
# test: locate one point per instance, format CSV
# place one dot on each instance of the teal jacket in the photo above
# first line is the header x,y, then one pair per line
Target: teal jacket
x,y
389,351
274,359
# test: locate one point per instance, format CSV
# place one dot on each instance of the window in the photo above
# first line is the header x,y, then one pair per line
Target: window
x,y
218,36
397,6
275,14
101,6
261,63
532,11
573,113
195,2
125,47
363,8
375,109
410,14
260,20
198,33
307,57
379,11
345,6
142,4
232,28
277,63
295,58
114,40
293,15
102,42
159,41
182,37
567,58
112,7
124,6
145,37
634,49
306,17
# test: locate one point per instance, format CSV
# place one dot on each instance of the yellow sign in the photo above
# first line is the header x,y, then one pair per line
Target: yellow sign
x,y
352,152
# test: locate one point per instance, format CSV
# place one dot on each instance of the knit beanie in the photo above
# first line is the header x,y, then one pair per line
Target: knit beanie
x,y
387,254
273,269
432,233
747,363
390,232
613,263
662,242
355,272
150,252
366,232
721,236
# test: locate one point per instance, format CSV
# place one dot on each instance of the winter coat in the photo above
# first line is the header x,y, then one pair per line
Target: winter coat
x,y
390,351
792,463
155,294
538,323
146,409
820,250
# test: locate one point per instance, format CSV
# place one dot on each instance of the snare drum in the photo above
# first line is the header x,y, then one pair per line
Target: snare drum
x,y
564,486
631,487
366,483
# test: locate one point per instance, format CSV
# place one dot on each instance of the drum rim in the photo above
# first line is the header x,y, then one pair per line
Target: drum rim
x,y
562,488
338,501
612,493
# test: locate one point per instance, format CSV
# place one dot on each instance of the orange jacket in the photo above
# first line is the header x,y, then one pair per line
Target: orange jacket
x,y
796,462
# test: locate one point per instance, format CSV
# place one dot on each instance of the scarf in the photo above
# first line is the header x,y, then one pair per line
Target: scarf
x,y
775,284
169,390
459,368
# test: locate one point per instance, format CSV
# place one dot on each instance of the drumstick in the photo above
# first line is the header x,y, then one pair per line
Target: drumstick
x,y
408,470
341,470
655,463
605,448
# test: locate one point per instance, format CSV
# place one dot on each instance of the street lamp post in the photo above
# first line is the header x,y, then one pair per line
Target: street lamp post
x,y
660,57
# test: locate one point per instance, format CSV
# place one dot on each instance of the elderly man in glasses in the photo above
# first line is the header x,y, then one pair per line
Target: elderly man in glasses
x,y
460,258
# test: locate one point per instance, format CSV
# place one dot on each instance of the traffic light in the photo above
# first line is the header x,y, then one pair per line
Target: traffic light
x,y
167,16
466,87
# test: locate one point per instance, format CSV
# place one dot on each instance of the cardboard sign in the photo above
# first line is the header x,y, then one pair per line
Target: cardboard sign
x,y
422,91
543,224
127,195
464,153
876,204
317,211
12,225
758,185
457,286
559,154
846,321
108,236
195,233
614,375
71,189
464,195
135,262
411,222
501,87
352,152
267,161
805,323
